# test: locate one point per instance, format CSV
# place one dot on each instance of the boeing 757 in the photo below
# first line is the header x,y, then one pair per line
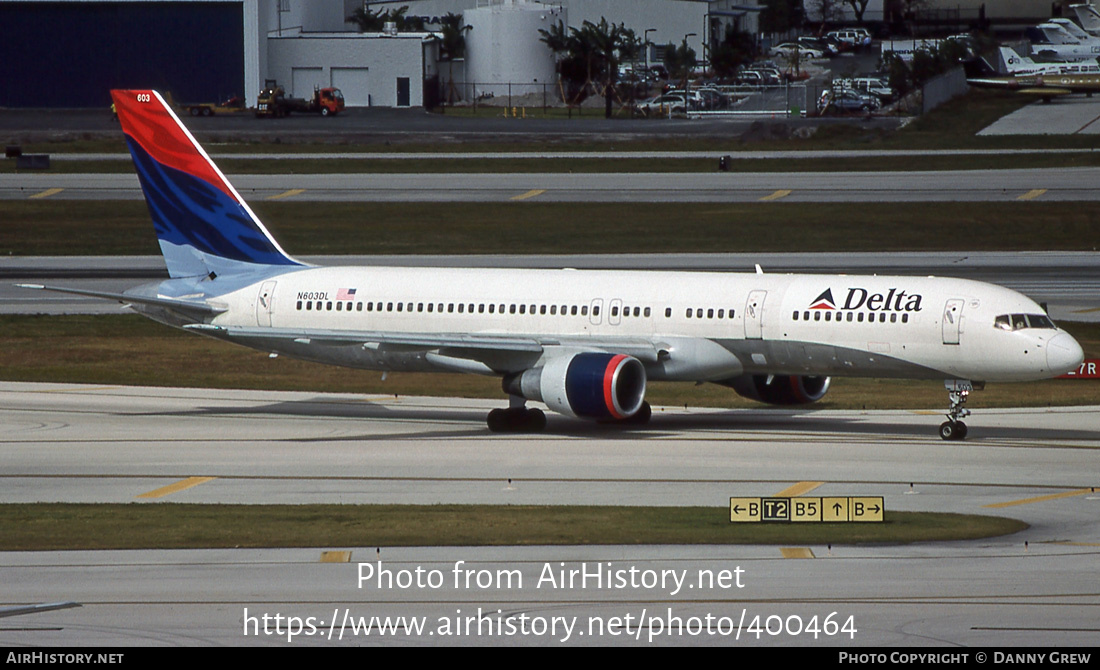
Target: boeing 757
x,y
582,342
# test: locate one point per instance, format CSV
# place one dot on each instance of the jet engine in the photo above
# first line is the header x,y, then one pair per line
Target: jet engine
x,y
588,385
781,389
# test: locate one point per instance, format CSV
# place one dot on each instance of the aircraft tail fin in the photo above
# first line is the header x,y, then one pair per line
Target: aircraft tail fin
x,y
1088,16
202,223
1013,61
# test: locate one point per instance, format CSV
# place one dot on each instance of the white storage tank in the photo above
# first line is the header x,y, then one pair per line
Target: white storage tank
x,y
504,47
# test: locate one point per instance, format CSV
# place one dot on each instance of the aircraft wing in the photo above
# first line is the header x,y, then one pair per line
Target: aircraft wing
x,y
455,343
194,307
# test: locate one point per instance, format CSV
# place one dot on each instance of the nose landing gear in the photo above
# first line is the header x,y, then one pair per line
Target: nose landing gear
x,y
958,390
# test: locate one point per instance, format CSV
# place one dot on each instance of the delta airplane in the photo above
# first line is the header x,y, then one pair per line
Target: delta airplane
x,y
582,342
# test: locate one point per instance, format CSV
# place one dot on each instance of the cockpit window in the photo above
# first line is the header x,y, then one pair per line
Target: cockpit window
x,y
1021,321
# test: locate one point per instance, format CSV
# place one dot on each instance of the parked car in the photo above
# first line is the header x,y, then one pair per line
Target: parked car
x,y
847,100
787,51
829,48
661,104
871,85
855,38
876,87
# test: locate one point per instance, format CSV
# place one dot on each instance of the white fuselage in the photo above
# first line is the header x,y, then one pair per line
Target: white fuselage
x,y
705,326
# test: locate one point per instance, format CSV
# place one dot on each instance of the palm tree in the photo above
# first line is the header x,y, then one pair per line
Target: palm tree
x,y
599,46
453,44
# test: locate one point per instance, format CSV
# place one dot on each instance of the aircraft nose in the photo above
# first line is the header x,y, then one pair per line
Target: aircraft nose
x,y
1064,354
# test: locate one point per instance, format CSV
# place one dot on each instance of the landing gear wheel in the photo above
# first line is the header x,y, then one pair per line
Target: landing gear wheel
x,y
953,430
958,392
516,420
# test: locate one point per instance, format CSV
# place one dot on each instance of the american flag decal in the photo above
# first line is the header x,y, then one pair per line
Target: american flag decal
x,y
345,294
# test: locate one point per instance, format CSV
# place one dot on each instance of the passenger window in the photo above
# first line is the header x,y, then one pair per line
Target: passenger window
x,y
668,312
710,313
299,305
688,314
339,307
309,306
699,313
646,312
615,311
584,310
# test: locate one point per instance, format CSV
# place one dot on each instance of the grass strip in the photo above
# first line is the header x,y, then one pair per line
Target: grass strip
x,y
59,228
63,526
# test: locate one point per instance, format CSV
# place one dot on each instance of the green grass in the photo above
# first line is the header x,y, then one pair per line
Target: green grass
x,y
46,527
122,228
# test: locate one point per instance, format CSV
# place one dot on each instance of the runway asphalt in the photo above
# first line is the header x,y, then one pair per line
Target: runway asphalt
x,y
92,443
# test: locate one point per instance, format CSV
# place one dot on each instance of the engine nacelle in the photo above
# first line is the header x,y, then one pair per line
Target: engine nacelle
x,y
781,389
588,385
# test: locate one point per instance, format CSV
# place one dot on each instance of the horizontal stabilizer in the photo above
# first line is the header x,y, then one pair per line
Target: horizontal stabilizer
x,y
190,306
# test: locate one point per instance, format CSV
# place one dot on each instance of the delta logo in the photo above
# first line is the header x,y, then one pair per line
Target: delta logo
x,y
860,298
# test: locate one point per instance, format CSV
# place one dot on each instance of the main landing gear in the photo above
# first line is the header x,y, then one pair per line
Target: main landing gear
x,y
958,390
517,418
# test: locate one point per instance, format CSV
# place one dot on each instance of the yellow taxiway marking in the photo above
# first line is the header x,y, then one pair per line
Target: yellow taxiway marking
x,y
781,193
530,194
796,552
1032,194
286,194
183,485
1087,311
47,193
1078,544
798,489
1028,501
336,557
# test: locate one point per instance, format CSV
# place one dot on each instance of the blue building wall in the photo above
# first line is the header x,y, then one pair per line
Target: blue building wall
x,y
70,54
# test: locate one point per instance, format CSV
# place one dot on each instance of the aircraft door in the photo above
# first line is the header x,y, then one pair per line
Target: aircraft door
x,y
614,315
265,302
594,311
952,320
754,315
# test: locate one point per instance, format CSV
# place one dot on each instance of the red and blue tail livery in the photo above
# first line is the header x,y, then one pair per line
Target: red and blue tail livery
x,y
202,223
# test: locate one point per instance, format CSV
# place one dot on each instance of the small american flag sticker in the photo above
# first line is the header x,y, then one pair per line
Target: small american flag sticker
x,y
345,294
